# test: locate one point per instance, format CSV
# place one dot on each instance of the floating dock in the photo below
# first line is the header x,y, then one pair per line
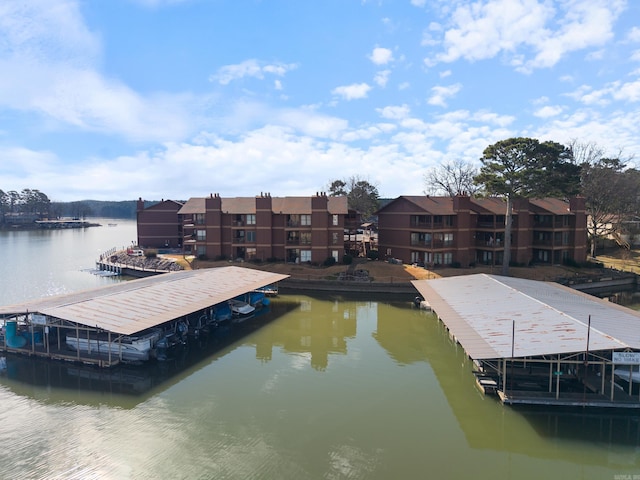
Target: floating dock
x,y
540,343
125,322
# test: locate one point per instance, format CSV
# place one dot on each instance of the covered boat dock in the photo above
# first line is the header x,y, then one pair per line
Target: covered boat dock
x,y
540,343
124,321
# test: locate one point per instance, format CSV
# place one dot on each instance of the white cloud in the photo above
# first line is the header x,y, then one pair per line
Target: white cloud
x,y
482,30
548,111
445,74
418,3
381,56
394,112
626,92
382,77
354,91
249,68
52,58
441,94
158,3
634,34
613,91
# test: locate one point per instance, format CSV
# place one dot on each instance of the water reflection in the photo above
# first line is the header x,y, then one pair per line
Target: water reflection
x,y
550,433
320,329
125,385
319,388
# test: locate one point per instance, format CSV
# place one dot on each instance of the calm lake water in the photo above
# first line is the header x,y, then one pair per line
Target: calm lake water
x,y
318,388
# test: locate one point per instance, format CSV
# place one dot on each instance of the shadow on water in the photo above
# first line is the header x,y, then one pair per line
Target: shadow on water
x,y
126,385
489,425
605,426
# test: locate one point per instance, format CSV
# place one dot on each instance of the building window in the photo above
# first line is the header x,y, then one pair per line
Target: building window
x,y
293,238
198,218
251,236
448,239
334,238
251,253
543,256
421,220
305,255
305,220
201,235
437,259
448,258
421,238
305,238
335,220
201,251
251,219
487,257
334,254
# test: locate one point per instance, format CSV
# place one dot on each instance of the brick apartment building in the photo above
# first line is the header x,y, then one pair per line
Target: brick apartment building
x,y
159,226
465,231
295,229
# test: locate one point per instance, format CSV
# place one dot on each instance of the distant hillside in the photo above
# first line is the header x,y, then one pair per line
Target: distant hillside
x,y
97,208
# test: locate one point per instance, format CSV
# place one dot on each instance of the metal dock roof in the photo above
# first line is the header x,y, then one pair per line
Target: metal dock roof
x,y
132,306
480,311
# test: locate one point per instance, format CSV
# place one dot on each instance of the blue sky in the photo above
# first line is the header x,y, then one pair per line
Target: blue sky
x,y
120,99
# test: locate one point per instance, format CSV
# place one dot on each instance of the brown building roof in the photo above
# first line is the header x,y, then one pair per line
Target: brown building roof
x,y
239,205
433,205
551,205
193,205
285,205
490,205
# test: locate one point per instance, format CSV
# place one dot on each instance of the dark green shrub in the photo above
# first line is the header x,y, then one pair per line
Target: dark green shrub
x,y
373,255
570,262
347,259
329,261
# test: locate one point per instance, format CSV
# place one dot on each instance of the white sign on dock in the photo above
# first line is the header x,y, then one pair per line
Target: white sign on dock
x,y
38,319
626,358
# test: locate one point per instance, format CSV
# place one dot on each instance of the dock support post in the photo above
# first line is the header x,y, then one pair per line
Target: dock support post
x,y
78,341
504,376
550,377
558,379
612,383
603,370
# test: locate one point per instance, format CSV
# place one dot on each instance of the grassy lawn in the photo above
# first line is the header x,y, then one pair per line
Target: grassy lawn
x,y
380,271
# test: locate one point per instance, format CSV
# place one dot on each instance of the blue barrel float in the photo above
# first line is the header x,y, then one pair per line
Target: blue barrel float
x,y
13,340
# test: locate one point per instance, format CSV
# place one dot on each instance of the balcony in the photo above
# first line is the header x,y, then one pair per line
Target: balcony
x,y
489,244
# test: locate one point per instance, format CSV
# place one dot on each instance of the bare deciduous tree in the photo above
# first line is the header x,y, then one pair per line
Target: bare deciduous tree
x,y
452,178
